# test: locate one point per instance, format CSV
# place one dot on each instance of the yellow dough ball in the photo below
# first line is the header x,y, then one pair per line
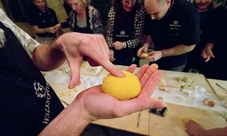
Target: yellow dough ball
x,y
121,88
145,55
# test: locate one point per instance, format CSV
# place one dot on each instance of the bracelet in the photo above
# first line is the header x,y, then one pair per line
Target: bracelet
x,y
123,45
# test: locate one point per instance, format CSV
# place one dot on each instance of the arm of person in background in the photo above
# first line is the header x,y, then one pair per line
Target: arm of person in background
x,y
138,32
109,32
43,30
156,55
87,107
96,22
195,129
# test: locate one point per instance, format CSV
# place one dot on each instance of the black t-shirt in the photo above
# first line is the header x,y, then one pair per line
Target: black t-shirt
x,y
27,102
180,25
43,20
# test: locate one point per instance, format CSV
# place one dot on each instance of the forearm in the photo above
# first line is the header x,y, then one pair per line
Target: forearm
x,y
215,132
40,30
177,50
71,121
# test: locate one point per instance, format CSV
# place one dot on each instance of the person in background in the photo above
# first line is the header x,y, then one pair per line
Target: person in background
x,y
211,27
44,21
195,129
29,106
83,18
125,31
173,28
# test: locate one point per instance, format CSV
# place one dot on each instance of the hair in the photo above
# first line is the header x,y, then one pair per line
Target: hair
x,y
117,4
86,2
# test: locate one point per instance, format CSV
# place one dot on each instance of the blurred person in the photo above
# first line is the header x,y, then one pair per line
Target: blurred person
x,y
43,20
29,106
83,18
172,27
195,129
125,31
211,27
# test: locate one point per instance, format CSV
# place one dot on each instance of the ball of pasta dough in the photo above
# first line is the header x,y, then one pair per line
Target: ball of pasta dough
x,y
121,88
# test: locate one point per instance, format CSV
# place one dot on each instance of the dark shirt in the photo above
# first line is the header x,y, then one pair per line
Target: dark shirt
x,y
27,102
43,20
180,25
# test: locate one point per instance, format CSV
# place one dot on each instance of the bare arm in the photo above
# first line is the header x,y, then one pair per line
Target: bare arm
x,y
38,30
195,129
178,50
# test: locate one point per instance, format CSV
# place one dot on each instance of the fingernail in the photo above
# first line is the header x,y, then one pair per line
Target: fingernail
x,y
120,74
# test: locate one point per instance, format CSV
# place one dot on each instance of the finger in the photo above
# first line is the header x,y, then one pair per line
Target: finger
x,y
151,83
131,68
141,71
208,58
112,69
75,72
137,104
149,72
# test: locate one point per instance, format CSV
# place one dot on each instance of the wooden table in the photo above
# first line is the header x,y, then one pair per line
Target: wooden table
x,y
219,91
150,124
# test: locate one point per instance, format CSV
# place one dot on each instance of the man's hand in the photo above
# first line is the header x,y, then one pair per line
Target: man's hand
x,y
100,105
75,46
154,56
207,52
92,104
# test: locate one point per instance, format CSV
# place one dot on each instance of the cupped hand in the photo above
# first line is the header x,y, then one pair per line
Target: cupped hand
x,y
98,105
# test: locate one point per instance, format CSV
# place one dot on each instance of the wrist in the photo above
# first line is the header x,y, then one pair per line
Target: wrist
x,y
45,30
123,45
163,53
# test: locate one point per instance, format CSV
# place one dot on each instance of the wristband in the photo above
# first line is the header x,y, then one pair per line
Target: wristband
x,y
123,45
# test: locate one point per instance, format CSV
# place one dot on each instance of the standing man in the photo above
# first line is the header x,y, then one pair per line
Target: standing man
x,y
173,29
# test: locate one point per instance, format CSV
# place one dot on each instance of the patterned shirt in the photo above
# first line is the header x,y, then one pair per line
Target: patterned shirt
x,y
95,21
137,34
27,42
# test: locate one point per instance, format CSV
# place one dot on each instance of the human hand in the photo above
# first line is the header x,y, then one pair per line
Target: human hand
x,y
207,52
57,27
110,107
50,30
154,56
92,104
112,55
194,129
118,45
142,50
77,45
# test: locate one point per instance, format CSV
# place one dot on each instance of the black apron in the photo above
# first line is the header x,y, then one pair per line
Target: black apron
x,y
123,32
27,102
86,29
